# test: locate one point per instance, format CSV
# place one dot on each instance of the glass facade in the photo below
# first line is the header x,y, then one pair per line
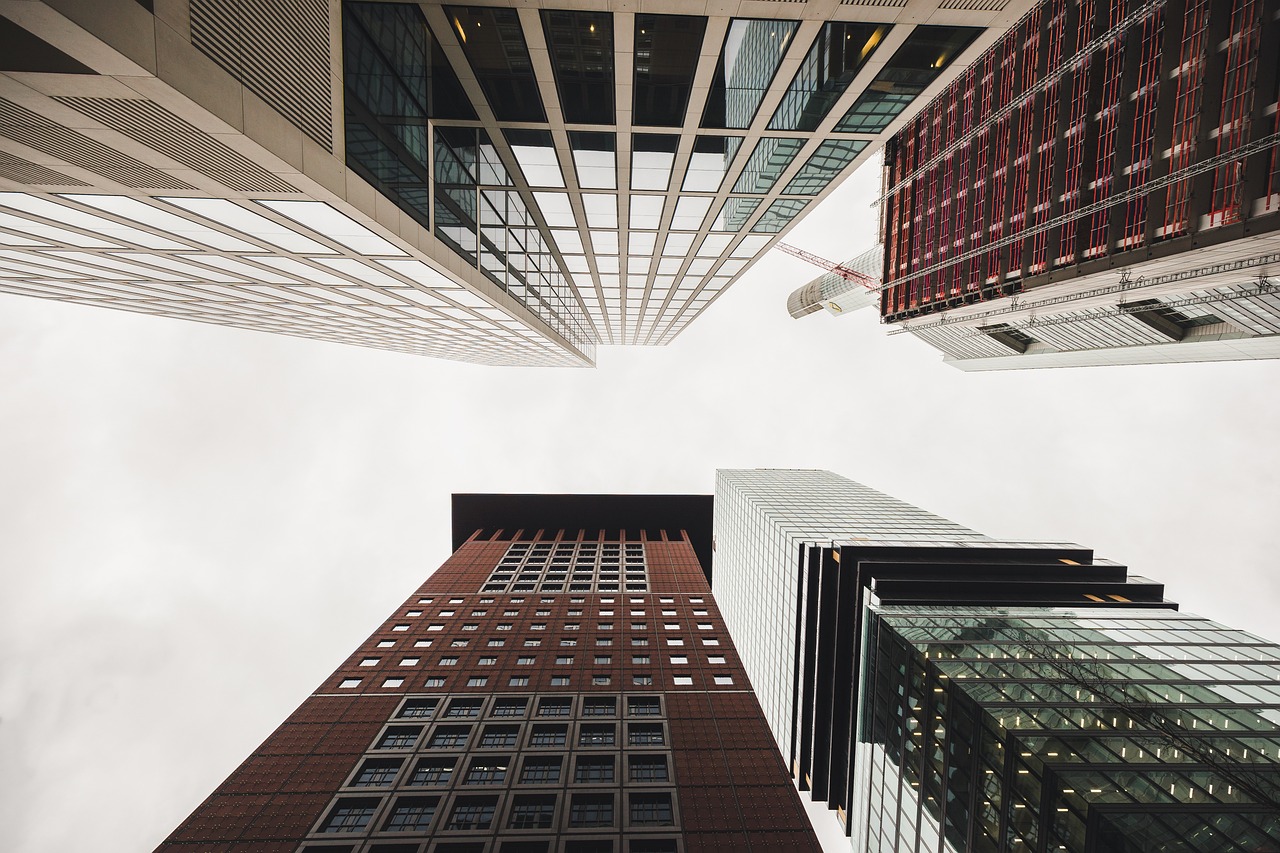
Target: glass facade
x,y
923,57
993,729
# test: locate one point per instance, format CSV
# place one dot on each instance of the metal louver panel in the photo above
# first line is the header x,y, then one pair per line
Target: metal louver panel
x,y
279,51
35,131
156,127
14,168
974,5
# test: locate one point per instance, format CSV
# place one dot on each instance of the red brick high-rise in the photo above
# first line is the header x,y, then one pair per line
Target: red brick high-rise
x,y
564,683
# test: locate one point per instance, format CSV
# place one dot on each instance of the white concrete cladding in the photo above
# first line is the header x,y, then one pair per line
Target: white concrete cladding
x,y
761,518
213,101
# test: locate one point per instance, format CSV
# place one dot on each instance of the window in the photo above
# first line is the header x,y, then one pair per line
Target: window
x,y
402,627
597,734
564,660
349,683
393,682
487,662
705,626
604,626
448,660
419,708
386,644
559,681
549,736
499,736
554,707
472,813
527,660
603,660
538,626
591,810
446,612
606,707
568,641
421,644
642,680
593,769
683,681
518,681
605,613
724,679
455,601
648,768
399,737
715,659
604,641
699,613
510,707
463,708
414,613
410,661
680,660
496,644
432,771
673,641
641,734
434,626
532,811
435,681
531,644
350,815
651,810
644,706
425,600
449,737
668,613
710,641
637,626
639,641
459,644
471,626
479,612
540,771
376,773
487,771
511,613
601,680
477,681
411,813
542,613
640,659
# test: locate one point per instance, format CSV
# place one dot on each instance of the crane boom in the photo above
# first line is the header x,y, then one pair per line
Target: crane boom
x,y
831,266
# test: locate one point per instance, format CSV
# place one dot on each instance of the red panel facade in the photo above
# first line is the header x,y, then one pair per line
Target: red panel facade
x,y
504,708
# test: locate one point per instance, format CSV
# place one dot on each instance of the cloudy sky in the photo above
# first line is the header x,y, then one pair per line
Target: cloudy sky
x,y
197,523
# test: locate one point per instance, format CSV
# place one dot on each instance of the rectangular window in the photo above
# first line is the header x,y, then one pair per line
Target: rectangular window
x,y
549,736
487,771
370,661
554,707
411,814
499,736
723,680
386,644
532,811
402,628
540,771
645,734
597,734
350,815
602,707
448,661
642,680
463,708
487,662
525,661
349,683
591,810
518,681
435,681
399,737
647,768
559,681
393,682
651,810
449,737
418,708
432,772
644,706
477,681
683,681
593,769
472,813
376,773
510,707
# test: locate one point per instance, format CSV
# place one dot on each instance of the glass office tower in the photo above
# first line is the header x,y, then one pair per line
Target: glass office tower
x,y
941,690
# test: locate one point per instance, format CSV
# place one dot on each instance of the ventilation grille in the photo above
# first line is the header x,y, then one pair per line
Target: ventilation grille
x,y
36,131
278,50
974,5
156,127
895,4
14,168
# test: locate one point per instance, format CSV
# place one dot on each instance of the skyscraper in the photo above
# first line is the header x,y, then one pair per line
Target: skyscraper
x,y
564,683
497,184
943,690
1100,187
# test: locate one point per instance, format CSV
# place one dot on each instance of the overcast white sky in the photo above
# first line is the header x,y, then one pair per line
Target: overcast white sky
x,y
197,524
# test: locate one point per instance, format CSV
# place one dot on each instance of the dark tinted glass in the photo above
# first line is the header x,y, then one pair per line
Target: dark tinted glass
x,y
495,47
581,46
748,61
826,72
666,57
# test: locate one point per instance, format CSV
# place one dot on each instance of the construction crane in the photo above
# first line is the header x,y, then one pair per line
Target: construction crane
x,y
845,287
869,282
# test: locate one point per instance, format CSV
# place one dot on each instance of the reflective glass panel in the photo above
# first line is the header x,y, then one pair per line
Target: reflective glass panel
x,y
494,44
581,47
769,160
734,213
779,215
595,159
923,56
666,56
826,163
749,59
826,72
535,152
711,158
652,155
